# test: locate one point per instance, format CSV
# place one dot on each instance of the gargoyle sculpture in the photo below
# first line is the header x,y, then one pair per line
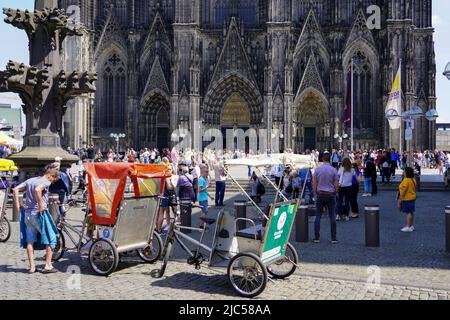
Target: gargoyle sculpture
x,y
71,86
29,83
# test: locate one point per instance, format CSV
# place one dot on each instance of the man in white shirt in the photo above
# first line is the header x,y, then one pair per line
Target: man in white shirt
x,y
221,183
195,176
278,173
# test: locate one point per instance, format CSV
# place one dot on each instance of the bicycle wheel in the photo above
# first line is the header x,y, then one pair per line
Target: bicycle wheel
x,y
103,257
153,251
247,275
60,248
5,229
286,266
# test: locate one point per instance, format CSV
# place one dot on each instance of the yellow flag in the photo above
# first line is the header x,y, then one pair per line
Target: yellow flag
x,y
394,105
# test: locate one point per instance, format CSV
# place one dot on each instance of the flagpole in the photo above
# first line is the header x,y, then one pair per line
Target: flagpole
x,y
401,109
352,126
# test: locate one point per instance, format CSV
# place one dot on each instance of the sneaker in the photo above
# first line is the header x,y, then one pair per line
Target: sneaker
x,y
346,218
316,240
334,241
365,195
407,229
412,229
338,218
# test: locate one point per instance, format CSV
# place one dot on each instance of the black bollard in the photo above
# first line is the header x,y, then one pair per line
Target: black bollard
x,y
302,224
447,229
372,221
240,208
186,214
418,185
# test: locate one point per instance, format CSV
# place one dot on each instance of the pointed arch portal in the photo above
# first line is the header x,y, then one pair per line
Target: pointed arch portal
x,y
312,121
220,93
155,121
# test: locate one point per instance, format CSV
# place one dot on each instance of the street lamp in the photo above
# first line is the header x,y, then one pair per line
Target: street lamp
x,y
410,116
341,138
117,137
447,71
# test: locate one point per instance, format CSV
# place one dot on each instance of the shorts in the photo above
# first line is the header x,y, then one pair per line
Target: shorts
x,y
164,204
32,226
204,205
409,206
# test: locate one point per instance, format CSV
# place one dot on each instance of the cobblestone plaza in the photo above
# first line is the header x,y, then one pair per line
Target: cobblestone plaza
x,y
410,266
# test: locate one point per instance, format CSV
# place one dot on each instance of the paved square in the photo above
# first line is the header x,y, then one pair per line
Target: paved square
x,y
411,266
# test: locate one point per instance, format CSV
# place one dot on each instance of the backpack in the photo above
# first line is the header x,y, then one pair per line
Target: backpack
x,y
261,190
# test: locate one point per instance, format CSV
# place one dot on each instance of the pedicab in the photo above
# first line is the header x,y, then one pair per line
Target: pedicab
x,y
122,222
7,167
249,255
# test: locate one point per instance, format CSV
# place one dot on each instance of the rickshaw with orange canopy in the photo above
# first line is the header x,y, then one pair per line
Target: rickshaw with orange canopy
x,y
119,222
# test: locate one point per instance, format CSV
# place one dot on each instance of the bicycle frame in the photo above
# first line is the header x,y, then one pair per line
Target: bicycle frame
x,y
175,233
64,226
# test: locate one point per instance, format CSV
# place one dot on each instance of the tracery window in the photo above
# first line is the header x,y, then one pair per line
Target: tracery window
x,y
363,101
111,113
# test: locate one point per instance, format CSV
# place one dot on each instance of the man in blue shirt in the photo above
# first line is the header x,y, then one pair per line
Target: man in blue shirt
x,y
203,185
306,177
395,157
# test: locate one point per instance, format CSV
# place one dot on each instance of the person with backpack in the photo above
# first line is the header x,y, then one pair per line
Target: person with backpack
x,y
296,184
407,198
254,184
355,191
386,169
306,180
335,159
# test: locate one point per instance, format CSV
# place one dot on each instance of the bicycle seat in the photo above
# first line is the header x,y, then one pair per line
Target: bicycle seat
x,y
208,220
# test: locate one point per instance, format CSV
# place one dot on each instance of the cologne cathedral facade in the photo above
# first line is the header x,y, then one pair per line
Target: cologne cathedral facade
x,y
279,65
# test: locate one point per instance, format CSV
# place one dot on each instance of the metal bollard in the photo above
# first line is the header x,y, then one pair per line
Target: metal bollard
x,y
15,213
418,186
447,229
240,207
53,206
302,224
186,214
372,222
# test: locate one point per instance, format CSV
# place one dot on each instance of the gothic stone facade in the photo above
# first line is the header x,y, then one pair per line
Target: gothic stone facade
x,y
278,65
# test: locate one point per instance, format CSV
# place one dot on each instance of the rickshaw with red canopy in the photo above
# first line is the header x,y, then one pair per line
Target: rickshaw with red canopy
x,y
123,222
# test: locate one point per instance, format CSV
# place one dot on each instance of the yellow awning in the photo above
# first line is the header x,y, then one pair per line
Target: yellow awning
x,y
6,140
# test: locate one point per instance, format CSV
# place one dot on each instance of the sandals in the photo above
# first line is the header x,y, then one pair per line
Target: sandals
x,y
48,271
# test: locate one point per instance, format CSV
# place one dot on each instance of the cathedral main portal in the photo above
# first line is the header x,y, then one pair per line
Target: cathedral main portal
x,y
235,116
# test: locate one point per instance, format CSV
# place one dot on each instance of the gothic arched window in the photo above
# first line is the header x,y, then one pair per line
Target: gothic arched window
x,y
247,10
363,101
278,112
111,113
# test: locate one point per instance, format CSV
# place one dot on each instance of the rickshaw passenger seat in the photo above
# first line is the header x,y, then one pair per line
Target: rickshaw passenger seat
x,y
250,235
208,220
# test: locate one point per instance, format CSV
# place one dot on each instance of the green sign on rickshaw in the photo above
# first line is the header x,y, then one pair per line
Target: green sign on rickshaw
x,y
278,231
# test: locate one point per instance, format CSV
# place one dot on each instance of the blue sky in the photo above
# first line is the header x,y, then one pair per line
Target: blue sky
x,y
17,49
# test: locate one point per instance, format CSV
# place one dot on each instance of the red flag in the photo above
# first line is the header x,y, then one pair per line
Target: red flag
x,y
348,103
